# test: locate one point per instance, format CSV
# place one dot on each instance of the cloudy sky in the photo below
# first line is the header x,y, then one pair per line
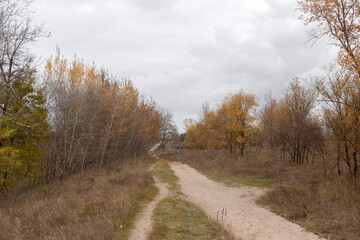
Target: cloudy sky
x,y
185,52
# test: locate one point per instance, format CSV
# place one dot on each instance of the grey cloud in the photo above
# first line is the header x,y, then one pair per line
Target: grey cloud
x,y
184,52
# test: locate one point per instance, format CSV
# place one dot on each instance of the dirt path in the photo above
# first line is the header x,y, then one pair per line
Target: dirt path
x,y
144,221
236,208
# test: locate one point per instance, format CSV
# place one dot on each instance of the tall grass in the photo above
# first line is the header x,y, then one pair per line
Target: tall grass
x,y
100,207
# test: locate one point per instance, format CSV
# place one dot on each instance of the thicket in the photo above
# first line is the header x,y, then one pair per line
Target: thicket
x,y
95,119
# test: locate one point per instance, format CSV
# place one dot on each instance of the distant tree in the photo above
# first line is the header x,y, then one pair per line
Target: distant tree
x,y
167,128
238,117
296,125
191,137
268,117
188,122
229,126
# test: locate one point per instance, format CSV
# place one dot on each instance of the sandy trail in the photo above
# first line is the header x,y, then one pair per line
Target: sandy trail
x,y
144,221
235,208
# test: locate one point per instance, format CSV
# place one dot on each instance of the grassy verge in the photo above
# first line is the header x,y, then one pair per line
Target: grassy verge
x,y
176,218
102,206
123,228
234,181
163,172
329,206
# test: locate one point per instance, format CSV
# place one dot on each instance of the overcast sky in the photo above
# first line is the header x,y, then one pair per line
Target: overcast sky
x,y
184,52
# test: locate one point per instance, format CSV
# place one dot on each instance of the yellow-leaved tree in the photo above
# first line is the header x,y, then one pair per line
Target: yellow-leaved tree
x,y
340,21
230,126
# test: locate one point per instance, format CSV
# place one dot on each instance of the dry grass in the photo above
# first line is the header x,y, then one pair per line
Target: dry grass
x,y
101,207
328,205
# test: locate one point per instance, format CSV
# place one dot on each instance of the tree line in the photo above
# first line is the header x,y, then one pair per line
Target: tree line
x,y
292,124
69,116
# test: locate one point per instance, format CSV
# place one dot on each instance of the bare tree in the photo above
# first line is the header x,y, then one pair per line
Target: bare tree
x,y
167,129
16,33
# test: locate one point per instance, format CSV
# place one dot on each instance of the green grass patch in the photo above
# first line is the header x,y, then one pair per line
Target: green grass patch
x,y
144,197
176,218
163,172
234,180
147,165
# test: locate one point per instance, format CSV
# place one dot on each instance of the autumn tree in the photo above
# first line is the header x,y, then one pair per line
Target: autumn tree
x,y
230,126
268,117
95,119
342,119
237,116
339,20
299,130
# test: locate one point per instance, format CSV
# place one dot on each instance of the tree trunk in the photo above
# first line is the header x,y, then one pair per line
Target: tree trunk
x,y
325,173
338,160
348,161
355,165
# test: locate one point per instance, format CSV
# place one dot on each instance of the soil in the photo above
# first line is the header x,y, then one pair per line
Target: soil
x,y
144,221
